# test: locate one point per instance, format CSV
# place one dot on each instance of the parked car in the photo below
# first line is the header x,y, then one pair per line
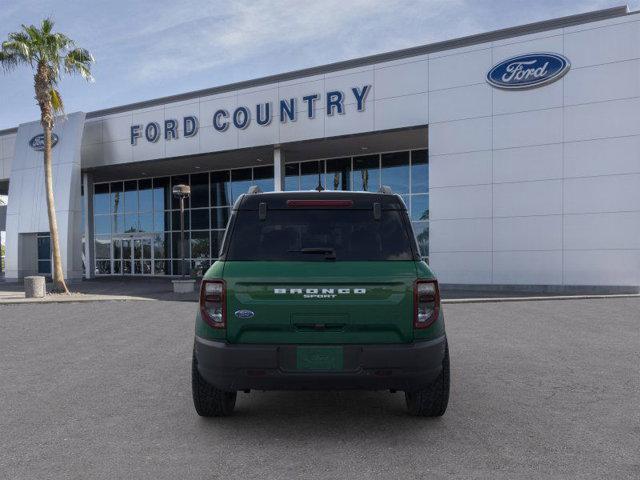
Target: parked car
x,y
315,291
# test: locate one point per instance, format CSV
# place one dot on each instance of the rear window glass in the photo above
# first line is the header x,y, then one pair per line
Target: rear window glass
x,y
318,235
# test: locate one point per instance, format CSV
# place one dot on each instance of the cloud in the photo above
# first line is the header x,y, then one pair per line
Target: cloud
x,y
149,49
245,30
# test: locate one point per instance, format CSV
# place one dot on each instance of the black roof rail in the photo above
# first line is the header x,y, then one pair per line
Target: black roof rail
x,y
386,190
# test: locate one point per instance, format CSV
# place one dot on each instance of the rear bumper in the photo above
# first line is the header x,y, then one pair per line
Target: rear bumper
x,y
366,367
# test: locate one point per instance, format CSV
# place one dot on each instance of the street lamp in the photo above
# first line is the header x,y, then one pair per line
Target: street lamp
x,y
181,192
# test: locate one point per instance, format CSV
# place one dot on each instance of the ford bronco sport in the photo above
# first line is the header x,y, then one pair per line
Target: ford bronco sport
x,y
320,290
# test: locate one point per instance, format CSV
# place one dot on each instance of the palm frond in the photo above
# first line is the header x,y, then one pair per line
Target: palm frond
x,y
56,101
35,35
8,60
79,60
20,44
47,52
47,25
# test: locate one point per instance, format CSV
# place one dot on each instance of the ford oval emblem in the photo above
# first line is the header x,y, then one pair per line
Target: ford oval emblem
x,y
528,71
37,142
244,314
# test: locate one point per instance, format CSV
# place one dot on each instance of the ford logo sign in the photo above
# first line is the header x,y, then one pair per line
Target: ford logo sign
x,y
528,71
244,314
37,142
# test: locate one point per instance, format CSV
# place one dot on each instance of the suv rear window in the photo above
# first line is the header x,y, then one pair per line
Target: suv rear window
x,y
318,235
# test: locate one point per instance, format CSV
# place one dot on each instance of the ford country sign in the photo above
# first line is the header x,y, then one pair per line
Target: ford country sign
x,y
37,142
528,71
262,114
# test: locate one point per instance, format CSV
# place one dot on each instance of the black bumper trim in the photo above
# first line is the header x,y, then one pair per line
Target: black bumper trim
x,y
233,367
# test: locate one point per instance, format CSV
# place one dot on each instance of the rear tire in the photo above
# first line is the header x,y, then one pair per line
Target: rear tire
x,y
433,400
208,400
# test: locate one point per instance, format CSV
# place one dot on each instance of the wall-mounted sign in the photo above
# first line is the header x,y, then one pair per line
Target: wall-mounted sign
x,y
528,71
286,109
37,142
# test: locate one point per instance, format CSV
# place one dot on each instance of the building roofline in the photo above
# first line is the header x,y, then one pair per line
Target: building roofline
x,y
494,35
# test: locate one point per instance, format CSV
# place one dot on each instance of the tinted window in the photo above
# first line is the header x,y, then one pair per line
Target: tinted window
x,y
101,198
313,235
338,175
366,173
200,190
311,175
263,178
240,182
395,171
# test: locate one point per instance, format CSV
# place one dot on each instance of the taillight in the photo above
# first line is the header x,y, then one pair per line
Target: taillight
x,y
427,303
212,299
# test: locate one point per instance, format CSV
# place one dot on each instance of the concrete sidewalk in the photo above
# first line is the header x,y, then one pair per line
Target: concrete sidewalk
x,y
103,289
8,298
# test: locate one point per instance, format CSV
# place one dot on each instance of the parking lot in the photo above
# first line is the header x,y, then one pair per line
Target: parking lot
x,y
546,389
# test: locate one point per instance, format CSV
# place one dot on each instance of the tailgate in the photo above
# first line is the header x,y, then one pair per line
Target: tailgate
x,y
319,302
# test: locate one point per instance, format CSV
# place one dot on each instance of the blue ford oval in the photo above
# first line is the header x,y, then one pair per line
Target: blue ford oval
x,y
37,142
528,71
244,314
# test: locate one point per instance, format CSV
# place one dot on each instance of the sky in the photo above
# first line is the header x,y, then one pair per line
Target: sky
x,y
144,50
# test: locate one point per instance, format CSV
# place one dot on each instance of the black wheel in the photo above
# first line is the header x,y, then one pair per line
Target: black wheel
x,y
208,400
431,401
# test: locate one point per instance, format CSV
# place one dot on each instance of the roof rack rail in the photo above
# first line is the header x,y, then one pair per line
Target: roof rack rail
x,y
254,189
385,190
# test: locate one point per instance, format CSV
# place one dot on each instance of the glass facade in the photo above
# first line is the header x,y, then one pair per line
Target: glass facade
x,y
406,172
137,222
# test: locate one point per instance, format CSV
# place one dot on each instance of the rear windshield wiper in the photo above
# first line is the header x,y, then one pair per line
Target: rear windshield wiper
x,y
329,253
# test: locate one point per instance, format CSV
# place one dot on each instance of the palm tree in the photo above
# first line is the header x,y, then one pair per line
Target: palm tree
x,y
47,53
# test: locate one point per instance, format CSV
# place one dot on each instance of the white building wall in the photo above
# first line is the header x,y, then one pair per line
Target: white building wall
x,y
7,149
398,98
539,186
27,204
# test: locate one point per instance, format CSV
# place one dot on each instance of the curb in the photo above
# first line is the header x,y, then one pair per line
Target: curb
x,y
124,298
73,299
538,299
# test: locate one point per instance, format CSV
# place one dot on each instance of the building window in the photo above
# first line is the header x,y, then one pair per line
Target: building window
x,y
220,189
241,180
395,171
366,173
263,178
137,222
338,176
291,177
406,172
311,174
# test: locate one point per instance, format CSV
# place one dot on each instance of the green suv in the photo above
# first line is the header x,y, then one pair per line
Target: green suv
x,y
319,291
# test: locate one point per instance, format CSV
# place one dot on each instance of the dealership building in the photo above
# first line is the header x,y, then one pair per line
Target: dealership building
x,y
517,153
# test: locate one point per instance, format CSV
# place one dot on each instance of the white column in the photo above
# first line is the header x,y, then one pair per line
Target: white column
x,y
278,169
87,186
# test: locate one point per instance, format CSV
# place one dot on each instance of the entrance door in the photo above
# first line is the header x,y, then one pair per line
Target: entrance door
x,y
133,255
142,256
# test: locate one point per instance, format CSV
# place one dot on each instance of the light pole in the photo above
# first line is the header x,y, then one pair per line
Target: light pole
x,y
182,192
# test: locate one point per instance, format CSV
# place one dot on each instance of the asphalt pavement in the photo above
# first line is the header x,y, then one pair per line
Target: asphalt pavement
x,y
102,390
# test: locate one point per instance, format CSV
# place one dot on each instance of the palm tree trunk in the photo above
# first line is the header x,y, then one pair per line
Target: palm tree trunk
x,y
59,284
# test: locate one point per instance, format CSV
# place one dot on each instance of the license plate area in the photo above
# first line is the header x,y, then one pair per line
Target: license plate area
x,y
319,358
